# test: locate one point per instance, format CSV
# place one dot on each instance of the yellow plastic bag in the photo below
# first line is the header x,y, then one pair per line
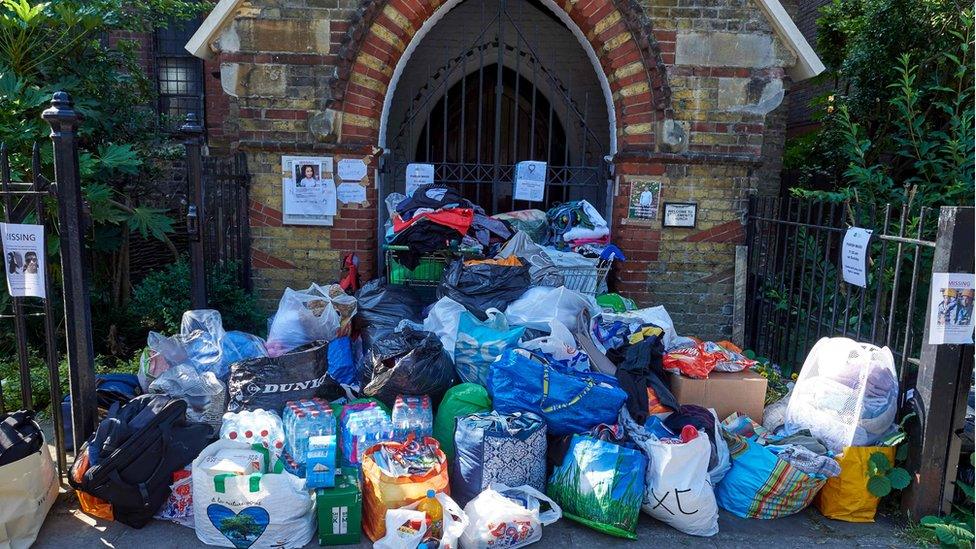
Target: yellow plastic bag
x,y
846,497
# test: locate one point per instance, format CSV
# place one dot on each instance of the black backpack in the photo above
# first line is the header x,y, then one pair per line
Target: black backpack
x,y
135,451
19,437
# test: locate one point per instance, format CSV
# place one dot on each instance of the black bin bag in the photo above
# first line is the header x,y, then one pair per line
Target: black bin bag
x,y
410,362
481,286
381,306
270,382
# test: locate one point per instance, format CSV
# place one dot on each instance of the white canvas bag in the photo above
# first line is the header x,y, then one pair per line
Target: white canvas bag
x,y
28,488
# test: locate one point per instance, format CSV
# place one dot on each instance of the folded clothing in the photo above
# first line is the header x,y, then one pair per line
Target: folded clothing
x,y
809,462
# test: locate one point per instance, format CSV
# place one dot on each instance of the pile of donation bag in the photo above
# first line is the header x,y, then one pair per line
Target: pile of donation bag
x,y
476,416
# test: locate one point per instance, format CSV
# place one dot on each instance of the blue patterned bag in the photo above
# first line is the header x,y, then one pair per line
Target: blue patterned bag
x,y
498,448
570,402
479,344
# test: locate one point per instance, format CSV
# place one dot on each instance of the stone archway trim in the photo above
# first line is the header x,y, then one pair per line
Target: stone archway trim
x,y
383,33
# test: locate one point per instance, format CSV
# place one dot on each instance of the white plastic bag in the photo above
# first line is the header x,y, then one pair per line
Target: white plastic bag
x,y
204,394
454,523
507,518
539,305
678,488
316,314
405,529
846,395
257,511
443,320
723,458
561,346
28,488
774,416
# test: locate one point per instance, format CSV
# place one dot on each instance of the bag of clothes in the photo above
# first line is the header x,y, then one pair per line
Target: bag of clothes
x,y
503,517
498,448
320,313
410,362
480,286
480,342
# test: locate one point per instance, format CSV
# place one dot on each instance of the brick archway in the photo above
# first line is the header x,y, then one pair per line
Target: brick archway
x,y
616,31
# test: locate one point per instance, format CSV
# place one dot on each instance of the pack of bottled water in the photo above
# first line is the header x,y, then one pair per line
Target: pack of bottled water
x,y
412,415
304,419
362,427
255,427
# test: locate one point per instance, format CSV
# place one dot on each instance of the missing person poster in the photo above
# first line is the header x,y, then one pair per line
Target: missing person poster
x,y
308,190
951,308
23,250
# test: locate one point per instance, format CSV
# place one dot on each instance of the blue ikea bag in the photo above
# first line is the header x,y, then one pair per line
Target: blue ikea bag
x,y
570,402
479,344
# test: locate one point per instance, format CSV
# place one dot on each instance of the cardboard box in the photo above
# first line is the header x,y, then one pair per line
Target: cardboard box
x,y
340,509
743,392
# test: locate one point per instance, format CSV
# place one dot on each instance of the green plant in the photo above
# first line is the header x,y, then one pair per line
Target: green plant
x,y
159,301
884,476
956,528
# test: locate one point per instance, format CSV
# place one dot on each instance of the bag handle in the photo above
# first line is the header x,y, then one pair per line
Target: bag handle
x,y
276,467
253,482
546,518
590,384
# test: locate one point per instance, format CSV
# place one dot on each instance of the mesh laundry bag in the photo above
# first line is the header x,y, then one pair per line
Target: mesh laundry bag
x,y
846,395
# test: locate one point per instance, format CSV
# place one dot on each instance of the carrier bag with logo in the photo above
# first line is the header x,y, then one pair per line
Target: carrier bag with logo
x,y
679,490
453,523
480,342
507,518
263,509
570,402
29,482
495,448
600,484
270,382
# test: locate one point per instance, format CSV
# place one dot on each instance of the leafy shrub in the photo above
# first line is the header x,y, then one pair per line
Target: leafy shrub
x,y
159,301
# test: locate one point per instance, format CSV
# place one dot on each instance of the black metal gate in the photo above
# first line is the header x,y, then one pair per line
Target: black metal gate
x,y
491,105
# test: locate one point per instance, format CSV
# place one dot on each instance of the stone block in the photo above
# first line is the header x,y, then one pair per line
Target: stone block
x,y
325,126
252,80
750,95
725,49
281,35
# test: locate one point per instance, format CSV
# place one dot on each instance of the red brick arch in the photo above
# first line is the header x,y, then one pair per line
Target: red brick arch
x,y
617,30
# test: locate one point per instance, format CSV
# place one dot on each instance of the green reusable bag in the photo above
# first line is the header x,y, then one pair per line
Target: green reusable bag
x,y
460,400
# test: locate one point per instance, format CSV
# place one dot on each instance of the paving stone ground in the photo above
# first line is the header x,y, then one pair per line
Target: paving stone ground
x,y
66,526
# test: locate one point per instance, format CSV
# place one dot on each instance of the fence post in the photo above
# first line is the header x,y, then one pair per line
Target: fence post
x,y
77,305
942,387
196,214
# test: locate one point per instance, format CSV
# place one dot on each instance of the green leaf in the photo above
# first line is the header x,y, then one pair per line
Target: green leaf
x,y
901,454
879,486
930,520
150,221
750,354
966,489
899,478
120,158
880,462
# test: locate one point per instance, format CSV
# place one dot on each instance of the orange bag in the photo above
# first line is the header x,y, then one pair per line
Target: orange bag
x,y
692,362
382,491
846,497
90,505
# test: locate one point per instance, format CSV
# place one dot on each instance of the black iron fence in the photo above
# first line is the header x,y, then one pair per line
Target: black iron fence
x,y
796,294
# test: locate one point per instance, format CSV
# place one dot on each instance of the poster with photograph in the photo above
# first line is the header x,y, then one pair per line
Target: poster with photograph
x,y
23,251
644,199
951,308
308,190
530,181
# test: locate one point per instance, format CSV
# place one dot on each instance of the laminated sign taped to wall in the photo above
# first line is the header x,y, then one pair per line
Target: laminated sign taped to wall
x,y
23,252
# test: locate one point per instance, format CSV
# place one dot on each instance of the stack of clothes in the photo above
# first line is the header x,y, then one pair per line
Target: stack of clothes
x,y
577,223
436,218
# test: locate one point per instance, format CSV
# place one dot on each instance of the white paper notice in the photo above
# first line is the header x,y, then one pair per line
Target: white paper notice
x,y
23,248
530,181
854,256
351,169
351,193
951,308
418,175
308,190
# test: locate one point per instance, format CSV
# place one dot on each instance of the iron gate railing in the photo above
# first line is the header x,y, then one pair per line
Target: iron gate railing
x,y
795,291
23,202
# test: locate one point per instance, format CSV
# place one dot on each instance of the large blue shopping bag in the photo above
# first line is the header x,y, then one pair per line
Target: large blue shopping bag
x,y
570,402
